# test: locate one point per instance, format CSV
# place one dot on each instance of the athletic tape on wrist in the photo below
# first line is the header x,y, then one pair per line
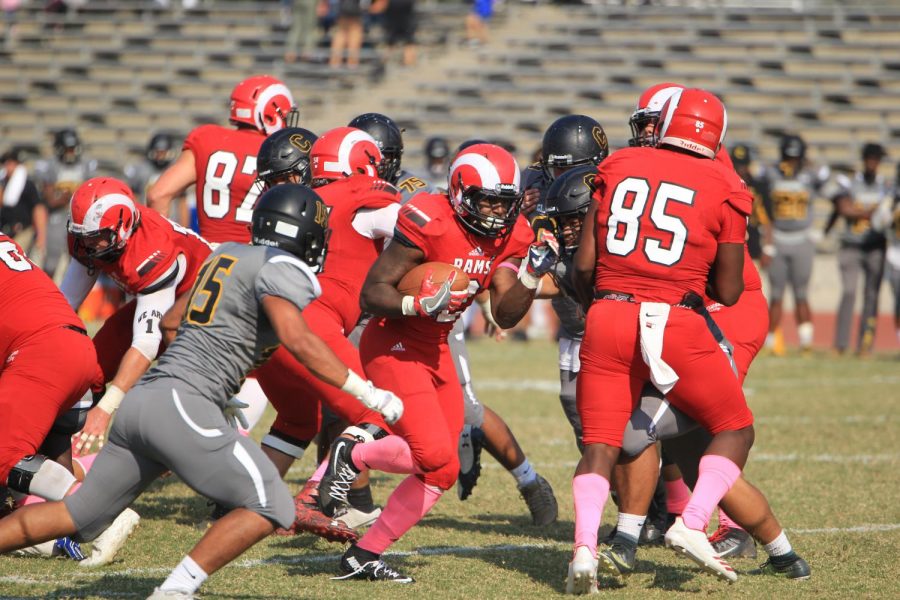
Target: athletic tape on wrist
x,y
111,399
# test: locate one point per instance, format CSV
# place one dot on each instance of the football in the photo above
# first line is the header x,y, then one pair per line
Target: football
x,y
412,281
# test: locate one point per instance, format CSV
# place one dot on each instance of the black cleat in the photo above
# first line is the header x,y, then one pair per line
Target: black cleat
x,y
471,441
541,501
730,543
338,477
618,560
790,566
375,569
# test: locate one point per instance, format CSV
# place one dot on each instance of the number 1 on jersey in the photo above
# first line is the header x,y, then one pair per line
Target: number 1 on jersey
x,y
220,172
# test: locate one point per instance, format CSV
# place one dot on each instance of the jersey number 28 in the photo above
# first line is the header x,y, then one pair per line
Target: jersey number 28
x,y
629,201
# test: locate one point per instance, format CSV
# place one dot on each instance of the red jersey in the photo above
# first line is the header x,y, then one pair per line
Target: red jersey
x,y
225,160
151,252
350,254
660,218
29,300
752,282
429,223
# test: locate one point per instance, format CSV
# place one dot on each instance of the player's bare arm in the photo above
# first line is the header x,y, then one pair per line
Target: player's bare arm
x,y
849,210
170,322
172,183
727,280
379,294
586,260
510,298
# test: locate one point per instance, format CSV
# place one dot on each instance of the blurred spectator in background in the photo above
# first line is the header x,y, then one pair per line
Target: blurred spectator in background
x,y
303,35
862,248
742,159
9,7
476,22
23,215
790,240
161,150
437,161
348,31
400,29
57,179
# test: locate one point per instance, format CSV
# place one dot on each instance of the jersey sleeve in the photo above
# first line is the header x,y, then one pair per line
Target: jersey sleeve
x,y
287,277
734,225
195,139
415,227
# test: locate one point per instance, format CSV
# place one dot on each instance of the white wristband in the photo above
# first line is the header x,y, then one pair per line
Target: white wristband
x,y
355,385
529,280
111,399
769,250
408,307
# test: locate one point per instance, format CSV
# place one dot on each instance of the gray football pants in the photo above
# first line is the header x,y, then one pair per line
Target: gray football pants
x,y
852,260
165,425
792,264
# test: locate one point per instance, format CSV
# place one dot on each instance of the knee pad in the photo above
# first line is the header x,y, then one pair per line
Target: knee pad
x,y
36,474
365,432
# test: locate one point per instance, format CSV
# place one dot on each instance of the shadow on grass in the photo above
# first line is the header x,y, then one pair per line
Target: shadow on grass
x,y
508,525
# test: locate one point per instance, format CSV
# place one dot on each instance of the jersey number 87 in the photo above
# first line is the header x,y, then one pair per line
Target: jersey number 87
x,y
220,172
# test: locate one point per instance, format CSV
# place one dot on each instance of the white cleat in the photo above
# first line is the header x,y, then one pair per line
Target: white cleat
x,y
159,594
355,518
44,550
695,545
582,577
108,543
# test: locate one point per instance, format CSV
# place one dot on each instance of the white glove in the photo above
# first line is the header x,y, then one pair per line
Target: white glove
x,y
234,415
383,401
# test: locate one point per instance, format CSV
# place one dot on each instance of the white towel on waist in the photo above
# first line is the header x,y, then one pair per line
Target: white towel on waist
x,y
652,318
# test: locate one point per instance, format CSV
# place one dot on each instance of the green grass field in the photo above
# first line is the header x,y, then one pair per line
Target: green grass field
x,y
827,455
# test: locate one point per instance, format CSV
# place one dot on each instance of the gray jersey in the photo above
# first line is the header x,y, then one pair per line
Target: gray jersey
x,y
865,195
567,307
792,198
410,185
225,332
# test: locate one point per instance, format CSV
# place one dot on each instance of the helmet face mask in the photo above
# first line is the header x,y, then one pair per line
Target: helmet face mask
x,y
485,191
102,218
283,157
293,218
161,150
572,141
645,118
389,138
67,146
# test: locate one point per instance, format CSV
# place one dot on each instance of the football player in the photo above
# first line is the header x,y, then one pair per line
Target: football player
x,y
789,241
362,212
284,157
179,418
150,258
437,160
477,227
40,335
862,248
221,163
643,325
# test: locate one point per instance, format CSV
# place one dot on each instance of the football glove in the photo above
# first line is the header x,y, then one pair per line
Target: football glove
x,y
234,415
433,298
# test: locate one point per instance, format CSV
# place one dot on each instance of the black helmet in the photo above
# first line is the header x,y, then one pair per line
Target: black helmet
x,y
161,150
569,195
285,152
471,142
437,148
389,139
292,217
571,141
67,145
792,146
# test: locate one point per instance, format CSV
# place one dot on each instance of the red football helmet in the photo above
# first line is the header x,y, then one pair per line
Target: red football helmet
x,y
102,217
483,175
695,120
263,102
342,152
647,112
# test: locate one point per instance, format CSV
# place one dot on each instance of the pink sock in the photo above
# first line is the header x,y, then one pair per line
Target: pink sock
x,y
725,521
590,492
86,461
717,475
320,470
406,506
389,455
677,496
30,499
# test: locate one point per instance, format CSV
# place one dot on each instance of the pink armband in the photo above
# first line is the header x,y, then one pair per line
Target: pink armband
x,y
508,265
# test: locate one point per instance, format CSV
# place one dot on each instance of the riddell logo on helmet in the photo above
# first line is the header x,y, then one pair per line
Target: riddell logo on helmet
x,y
506,187
559,157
